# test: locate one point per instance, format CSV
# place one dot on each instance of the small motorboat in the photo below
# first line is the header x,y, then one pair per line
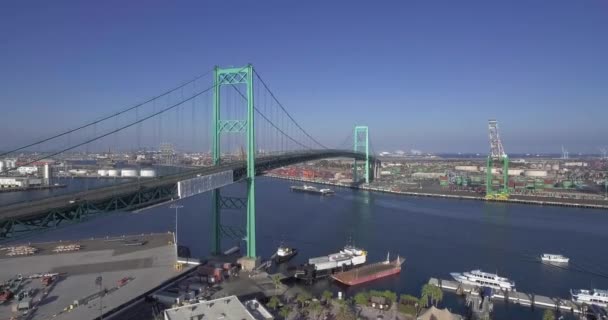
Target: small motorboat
x,y
284,254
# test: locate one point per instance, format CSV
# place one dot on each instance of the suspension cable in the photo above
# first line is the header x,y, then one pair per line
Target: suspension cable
x,y
113,131
107,117
270,122
284,110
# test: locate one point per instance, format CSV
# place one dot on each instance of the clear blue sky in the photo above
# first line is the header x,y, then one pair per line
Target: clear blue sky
x,y
422,74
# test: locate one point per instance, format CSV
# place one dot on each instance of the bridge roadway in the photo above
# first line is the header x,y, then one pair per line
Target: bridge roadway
x,y
38,208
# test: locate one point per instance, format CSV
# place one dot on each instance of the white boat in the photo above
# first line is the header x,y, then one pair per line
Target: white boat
x,y
349,256
556,258
484,279
284,253
311,189
594,296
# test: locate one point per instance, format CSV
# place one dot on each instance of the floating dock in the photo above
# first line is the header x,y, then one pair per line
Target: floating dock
x,y
521,298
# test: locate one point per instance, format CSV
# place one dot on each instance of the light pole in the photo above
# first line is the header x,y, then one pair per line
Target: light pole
x,y
176,207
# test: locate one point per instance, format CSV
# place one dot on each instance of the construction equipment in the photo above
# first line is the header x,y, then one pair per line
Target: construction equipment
x,y
497,154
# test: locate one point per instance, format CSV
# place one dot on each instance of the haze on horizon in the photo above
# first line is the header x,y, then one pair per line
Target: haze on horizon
x,y
422,75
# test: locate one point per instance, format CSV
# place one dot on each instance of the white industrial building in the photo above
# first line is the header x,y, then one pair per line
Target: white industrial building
x,y
467,168
19,182
147,173
27,170
222,308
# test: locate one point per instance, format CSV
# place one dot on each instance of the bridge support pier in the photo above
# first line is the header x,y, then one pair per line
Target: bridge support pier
x,y
233,77
216,241
361,136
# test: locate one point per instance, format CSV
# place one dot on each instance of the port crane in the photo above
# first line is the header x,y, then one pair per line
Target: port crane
x,y
497,154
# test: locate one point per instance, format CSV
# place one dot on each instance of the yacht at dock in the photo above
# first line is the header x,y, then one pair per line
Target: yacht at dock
x,y
594,296
484,279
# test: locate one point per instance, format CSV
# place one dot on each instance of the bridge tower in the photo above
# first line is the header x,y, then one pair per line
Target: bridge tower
x,y
497,153
220,126
361,136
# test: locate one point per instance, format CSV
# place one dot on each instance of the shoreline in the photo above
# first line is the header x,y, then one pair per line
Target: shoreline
x,y
555,202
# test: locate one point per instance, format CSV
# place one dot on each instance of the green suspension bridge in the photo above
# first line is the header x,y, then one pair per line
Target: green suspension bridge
x,y
250,133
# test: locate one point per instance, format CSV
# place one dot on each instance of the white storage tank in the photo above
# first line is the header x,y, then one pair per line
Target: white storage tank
x,y
10,163
102,172
147,173
467,168
535,173
1,166
515,172
112,173
128,173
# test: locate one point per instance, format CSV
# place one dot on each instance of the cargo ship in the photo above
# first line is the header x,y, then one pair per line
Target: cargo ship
x,y
369,272
325,266
311,189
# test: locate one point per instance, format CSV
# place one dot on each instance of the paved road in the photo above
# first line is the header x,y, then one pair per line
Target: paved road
x,y
38,208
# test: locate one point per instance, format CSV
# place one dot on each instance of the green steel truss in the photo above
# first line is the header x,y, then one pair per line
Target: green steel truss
x,y
490,192
232,77
79,211
361,136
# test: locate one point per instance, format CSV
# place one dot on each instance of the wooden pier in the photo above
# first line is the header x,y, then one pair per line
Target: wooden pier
x,y
521,298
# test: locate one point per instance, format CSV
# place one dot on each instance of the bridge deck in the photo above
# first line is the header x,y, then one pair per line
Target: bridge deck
x,y
37,208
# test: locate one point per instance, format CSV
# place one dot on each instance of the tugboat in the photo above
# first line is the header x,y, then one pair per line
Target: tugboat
x,y
284,254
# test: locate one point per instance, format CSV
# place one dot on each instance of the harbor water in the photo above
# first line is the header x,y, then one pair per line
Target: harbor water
x,y
436,237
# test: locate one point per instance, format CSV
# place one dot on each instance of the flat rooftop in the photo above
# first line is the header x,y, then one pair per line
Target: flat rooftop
x,y
222,308
146,261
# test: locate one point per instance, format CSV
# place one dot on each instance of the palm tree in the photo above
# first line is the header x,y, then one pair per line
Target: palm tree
x,y
432,292
362,298
285,311
327,295
425,294
276,280
345,313
437,294
315,309
302,298
273,303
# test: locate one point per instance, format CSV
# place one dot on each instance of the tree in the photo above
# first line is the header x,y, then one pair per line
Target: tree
x,y
409,304
327,295
425,295
437,294
432,292
345,313
362,298
302,298
315,309
284,312
408,299
390,296
549,315
273,303
276,280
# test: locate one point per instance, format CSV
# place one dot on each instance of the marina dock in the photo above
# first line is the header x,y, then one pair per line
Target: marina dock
x,y
521,298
